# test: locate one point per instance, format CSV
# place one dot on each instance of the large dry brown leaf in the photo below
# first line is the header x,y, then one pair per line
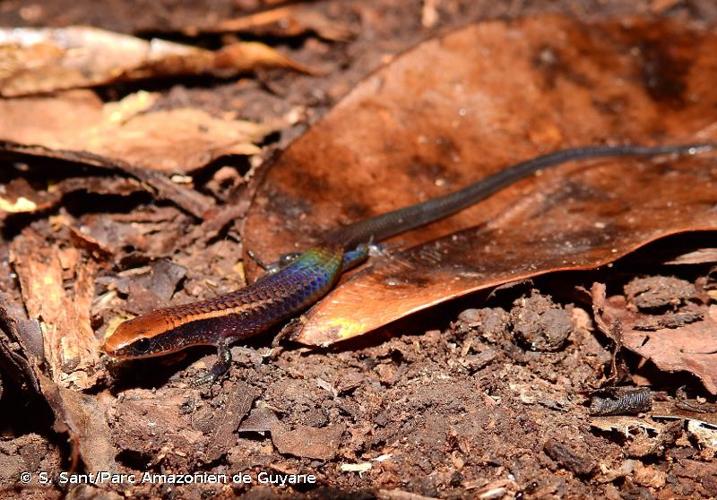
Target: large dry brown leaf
x,y
457,108
177,140
40,60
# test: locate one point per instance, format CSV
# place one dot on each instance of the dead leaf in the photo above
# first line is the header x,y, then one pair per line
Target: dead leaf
x,y
287,21
18,196
643,436
465,105
691,347
689,410
176,141
155,288
123,136
42,60
699,256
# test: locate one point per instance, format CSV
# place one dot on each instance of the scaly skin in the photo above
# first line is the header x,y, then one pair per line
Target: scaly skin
x,y
234,316
274,298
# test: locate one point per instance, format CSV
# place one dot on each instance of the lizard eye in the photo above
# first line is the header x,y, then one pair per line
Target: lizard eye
x,y
142,345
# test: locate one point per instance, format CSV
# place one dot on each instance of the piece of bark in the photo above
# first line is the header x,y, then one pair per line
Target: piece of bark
x,y
20,346
221,425
70,347
302,441
83,419
571,459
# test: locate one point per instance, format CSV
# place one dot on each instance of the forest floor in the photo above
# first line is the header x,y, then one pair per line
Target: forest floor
x,y
521,390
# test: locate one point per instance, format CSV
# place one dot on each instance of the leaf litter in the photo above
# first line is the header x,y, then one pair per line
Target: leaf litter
x,y
436,409
43,60
179,140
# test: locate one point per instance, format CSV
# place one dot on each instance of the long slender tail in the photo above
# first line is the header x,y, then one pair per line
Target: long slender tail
x,y
404,219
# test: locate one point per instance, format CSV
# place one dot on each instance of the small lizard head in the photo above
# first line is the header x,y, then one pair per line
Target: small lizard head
x,y
136,338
